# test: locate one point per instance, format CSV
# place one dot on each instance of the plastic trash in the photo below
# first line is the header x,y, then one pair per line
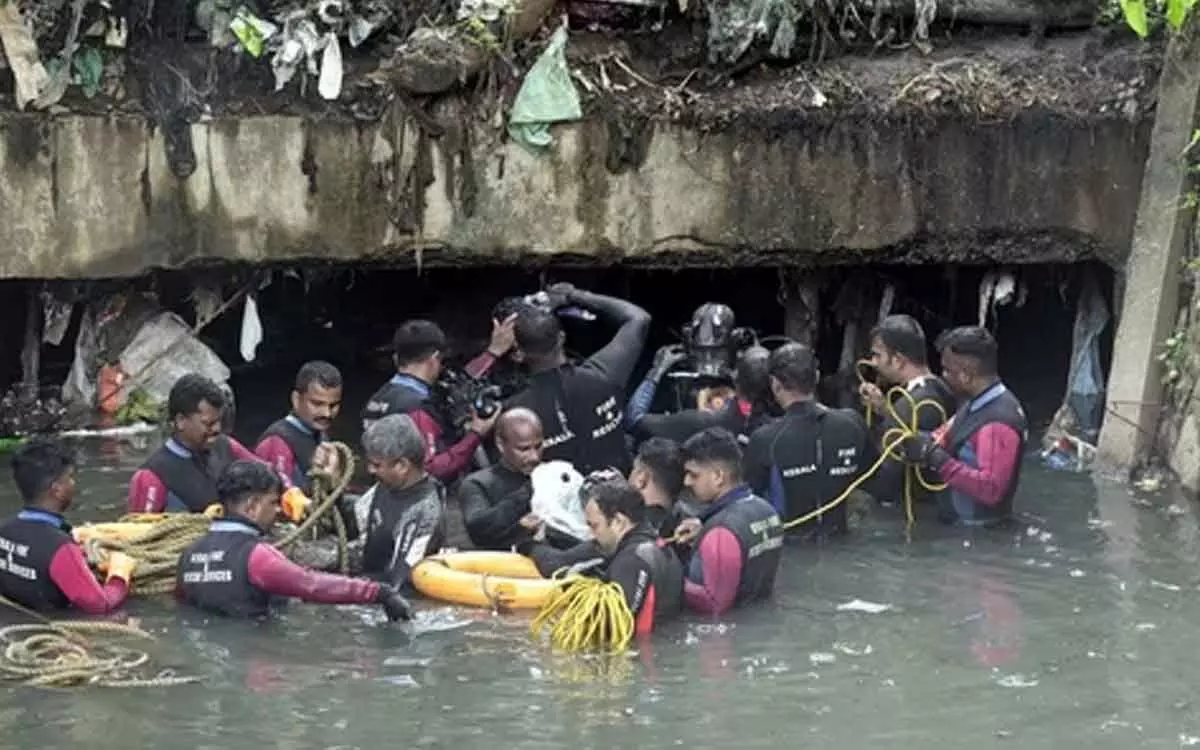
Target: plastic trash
x,y
329,85
556,500
734,26
547,95
21,51
252,330
252,31
164,350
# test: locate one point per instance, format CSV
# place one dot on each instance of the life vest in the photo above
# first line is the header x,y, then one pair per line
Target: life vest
x,y
760,535
214,575
303,442
581,418
995,405
665,598
403,526
191,479
28,542
400,395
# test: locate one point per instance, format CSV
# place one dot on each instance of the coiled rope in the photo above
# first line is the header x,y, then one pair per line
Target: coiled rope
x,y
586,614
56,654
167,535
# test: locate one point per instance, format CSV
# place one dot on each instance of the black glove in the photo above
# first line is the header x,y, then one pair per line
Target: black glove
x,y
923,450
666,358
395,605
559,294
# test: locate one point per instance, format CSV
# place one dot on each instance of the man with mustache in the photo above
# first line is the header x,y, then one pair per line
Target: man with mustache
x,y
296,443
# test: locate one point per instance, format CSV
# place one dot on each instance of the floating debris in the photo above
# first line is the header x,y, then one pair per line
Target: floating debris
x,y
858,605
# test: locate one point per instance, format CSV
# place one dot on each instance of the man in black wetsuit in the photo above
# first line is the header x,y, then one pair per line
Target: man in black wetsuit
x,y
898,351
580,405
741,415
495,501
809,456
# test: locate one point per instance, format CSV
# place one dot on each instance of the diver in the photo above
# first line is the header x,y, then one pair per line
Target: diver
x,y
898,352
809,456
403,516
496,500
42,567
297,443
417,351
742,414
232,571
649,574
657,475
181,477
579,404
738,538
978,452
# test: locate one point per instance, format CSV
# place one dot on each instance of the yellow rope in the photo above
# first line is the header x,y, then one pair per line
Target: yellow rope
x,y
586,614
891,444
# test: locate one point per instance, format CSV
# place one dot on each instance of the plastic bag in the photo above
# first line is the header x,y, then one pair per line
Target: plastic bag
x,y
547,96
165,350
556,499
1085,383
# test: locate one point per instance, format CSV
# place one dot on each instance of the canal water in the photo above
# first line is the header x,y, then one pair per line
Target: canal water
x,y
1078,629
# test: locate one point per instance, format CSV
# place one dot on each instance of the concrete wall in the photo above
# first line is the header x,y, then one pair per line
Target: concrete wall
x,y
94,197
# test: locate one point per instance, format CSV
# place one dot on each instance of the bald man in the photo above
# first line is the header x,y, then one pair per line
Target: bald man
x,y
495,500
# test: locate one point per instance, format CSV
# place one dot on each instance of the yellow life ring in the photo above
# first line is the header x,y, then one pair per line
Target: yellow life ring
x,y
483,579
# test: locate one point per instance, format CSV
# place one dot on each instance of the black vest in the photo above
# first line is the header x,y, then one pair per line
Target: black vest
x,y
397,520
760,535
887,486
214,575
666,575
581,418
1003,409
191,482
303,445
394,398
26,548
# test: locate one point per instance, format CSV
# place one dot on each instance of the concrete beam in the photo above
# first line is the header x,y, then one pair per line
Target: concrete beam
x,y
1150,303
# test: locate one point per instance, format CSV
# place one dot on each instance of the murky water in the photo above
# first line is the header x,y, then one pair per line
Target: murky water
x,y
1078,630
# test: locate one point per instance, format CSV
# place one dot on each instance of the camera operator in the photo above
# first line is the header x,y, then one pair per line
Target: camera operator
x,y
579,405
417,352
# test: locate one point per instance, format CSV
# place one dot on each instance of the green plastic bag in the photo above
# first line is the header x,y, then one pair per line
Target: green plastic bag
x,y
547,96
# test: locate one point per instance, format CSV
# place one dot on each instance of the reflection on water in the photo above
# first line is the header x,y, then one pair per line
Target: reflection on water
x,y
1075,629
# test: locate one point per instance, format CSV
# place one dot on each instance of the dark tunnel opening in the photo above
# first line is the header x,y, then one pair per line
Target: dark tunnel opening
x,y
347,316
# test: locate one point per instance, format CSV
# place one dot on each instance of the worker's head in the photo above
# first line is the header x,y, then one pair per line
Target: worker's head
x,y
752,377
194,408
658,471
519,439
317,397
418,348
970,359
898,349
44,472
712,464
613,509
250,489
395,451
540,339
793,374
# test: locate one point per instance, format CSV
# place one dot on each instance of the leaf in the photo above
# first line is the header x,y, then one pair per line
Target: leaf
x,y
1177,11
1135,16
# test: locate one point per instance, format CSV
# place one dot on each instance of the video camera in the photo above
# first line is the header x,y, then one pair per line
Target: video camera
x,y
539,301
458,394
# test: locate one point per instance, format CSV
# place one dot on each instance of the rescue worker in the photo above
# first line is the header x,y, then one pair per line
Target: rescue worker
x,y
657,475
41,566
738,537
232,571
579,404
495,501
741,415
181,477
978,452
403,516
417,350
294,444
649,574
898,351
809,456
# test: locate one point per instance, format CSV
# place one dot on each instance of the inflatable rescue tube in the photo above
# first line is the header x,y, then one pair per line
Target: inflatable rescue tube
x,y
477,579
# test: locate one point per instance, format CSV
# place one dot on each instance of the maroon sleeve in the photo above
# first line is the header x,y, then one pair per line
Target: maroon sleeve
x,y
481,365
997,452
270,571
275,451
147,493
721,564
451,462
70,573
242,453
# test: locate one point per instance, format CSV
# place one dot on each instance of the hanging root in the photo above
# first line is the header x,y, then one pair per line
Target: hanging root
x,y
56,654
586,614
